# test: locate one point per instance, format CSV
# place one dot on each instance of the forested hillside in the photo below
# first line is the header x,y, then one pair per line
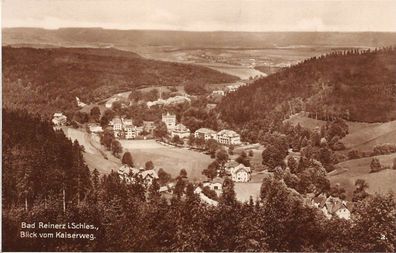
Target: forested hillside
x,y
45,179
354,85
44,80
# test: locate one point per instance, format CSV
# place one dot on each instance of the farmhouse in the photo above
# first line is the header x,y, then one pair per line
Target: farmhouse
x,y
169,120
180,130
228,137
59,119
240,173
216,185
128,173
205,133
331,206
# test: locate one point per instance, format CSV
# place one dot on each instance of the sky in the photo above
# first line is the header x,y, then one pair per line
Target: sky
x,y
204,15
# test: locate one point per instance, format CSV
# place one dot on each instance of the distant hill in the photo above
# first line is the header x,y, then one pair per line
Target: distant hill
x,y
354,85
184,39
44,80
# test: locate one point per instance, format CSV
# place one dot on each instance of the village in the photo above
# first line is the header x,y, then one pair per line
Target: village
x,y
178,135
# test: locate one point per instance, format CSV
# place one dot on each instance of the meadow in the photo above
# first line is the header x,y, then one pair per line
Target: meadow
x,y
171,159
349,171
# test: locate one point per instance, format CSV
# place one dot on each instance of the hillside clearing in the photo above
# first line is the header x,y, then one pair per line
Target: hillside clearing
x,y
348,172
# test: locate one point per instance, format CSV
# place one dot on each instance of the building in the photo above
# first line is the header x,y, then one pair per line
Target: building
x,y
59,119
130,132
127,122
205,133
117,124
180,130
331,206
240,173
215,185
218,92
228,137
95,128
148,176
169,120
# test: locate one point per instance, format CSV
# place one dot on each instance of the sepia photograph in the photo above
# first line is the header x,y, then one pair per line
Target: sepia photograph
x,y
198,126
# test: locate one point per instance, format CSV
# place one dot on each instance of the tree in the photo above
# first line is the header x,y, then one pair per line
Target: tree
x,y
228,197
360,190
160,131
221,156
116,147
127,159
292,164
176,139
273,156
183,173
243,158
163,177
251,153
153,191
231,150
107,138
211,171
116,106
95,113
375,165
375,227
149,165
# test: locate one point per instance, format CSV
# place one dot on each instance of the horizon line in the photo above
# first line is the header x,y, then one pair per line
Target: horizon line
x,y
197,31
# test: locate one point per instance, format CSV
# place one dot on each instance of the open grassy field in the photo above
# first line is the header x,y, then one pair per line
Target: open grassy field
x,y
245,190
171,159
362,136
381,182
367,135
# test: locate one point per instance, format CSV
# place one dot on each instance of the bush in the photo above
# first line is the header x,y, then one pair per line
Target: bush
x,y
383,149
375,165
354,154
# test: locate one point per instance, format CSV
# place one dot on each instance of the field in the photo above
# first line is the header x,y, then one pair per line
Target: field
x,y
367,135
245,190
171,159
362,136
349,171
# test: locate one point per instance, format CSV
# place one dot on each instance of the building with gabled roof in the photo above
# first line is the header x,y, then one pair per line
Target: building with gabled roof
x,y
240,173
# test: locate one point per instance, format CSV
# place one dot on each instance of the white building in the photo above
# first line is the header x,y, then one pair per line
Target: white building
x,y
59,119
218,92
180,130
169,120
95,128
205,133
127,122
117,124
240,173
228,137
130,132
